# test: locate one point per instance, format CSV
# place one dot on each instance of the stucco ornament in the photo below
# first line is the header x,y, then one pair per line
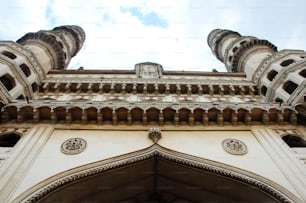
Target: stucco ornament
x,y
73,146
234,146
155,134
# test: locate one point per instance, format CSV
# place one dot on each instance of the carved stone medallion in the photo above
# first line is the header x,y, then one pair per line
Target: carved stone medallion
x,y
234,146
73,146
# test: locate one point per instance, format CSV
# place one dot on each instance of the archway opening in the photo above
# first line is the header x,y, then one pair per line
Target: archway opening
x,y
158,179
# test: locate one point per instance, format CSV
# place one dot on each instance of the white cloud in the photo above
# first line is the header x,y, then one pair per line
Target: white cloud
x,y
117,39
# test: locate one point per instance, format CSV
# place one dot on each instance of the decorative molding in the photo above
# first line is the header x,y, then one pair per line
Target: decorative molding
x,y
181,81
155,134
234,146
41,190
144,105
73,146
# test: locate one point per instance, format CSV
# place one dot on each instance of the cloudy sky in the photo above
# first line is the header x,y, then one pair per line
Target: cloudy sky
x,y
172,33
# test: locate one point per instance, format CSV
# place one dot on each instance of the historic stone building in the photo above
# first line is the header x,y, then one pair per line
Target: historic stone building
x,y
148,134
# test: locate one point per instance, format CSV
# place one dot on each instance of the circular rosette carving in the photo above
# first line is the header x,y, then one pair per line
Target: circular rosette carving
x,y
73,146
234,146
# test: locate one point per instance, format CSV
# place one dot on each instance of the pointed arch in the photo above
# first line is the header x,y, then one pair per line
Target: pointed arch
x,y
200,170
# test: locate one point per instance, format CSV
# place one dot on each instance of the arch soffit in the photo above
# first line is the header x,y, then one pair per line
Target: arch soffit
x,y
48,186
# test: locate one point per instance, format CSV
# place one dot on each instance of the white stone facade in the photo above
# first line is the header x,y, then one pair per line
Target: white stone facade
x,y
78,124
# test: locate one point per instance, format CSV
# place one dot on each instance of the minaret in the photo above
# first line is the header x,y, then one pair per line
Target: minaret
x,y
25,63
239,53
54,49
280,76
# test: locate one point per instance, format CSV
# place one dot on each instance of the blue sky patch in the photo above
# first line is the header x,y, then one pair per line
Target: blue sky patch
x,y
148,19
48,13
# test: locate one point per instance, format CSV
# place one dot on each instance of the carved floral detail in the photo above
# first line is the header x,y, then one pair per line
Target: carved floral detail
x,y
234,146
73,146
155,134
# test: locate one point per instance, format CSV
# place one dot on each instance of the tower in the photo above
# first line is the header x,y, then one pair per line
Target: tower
x,y
25,63
279,75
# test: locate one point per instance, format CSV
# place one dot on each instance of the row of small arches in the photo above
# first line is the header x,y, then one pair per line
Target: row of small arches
x,y
76,114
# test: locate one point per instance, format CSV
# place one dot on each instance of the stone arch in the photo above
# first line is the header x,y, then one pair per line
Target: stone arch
x,y
290,86
198,115
25,69
60,113
107,114
184,115
122,114
200,171
137,114
286,114
153,115
241,114
227,115
92,114
27,113
8,81
12,112
294,140
256,115
272,74
76,114
9,54
213,115
9,139
169,115
273,114
287,62
303,73
44,113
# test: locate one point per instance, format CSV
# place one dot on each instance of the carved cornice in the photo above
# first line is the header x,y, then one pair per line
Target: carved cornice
x,y
144,105
181,81
38,192
41,36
